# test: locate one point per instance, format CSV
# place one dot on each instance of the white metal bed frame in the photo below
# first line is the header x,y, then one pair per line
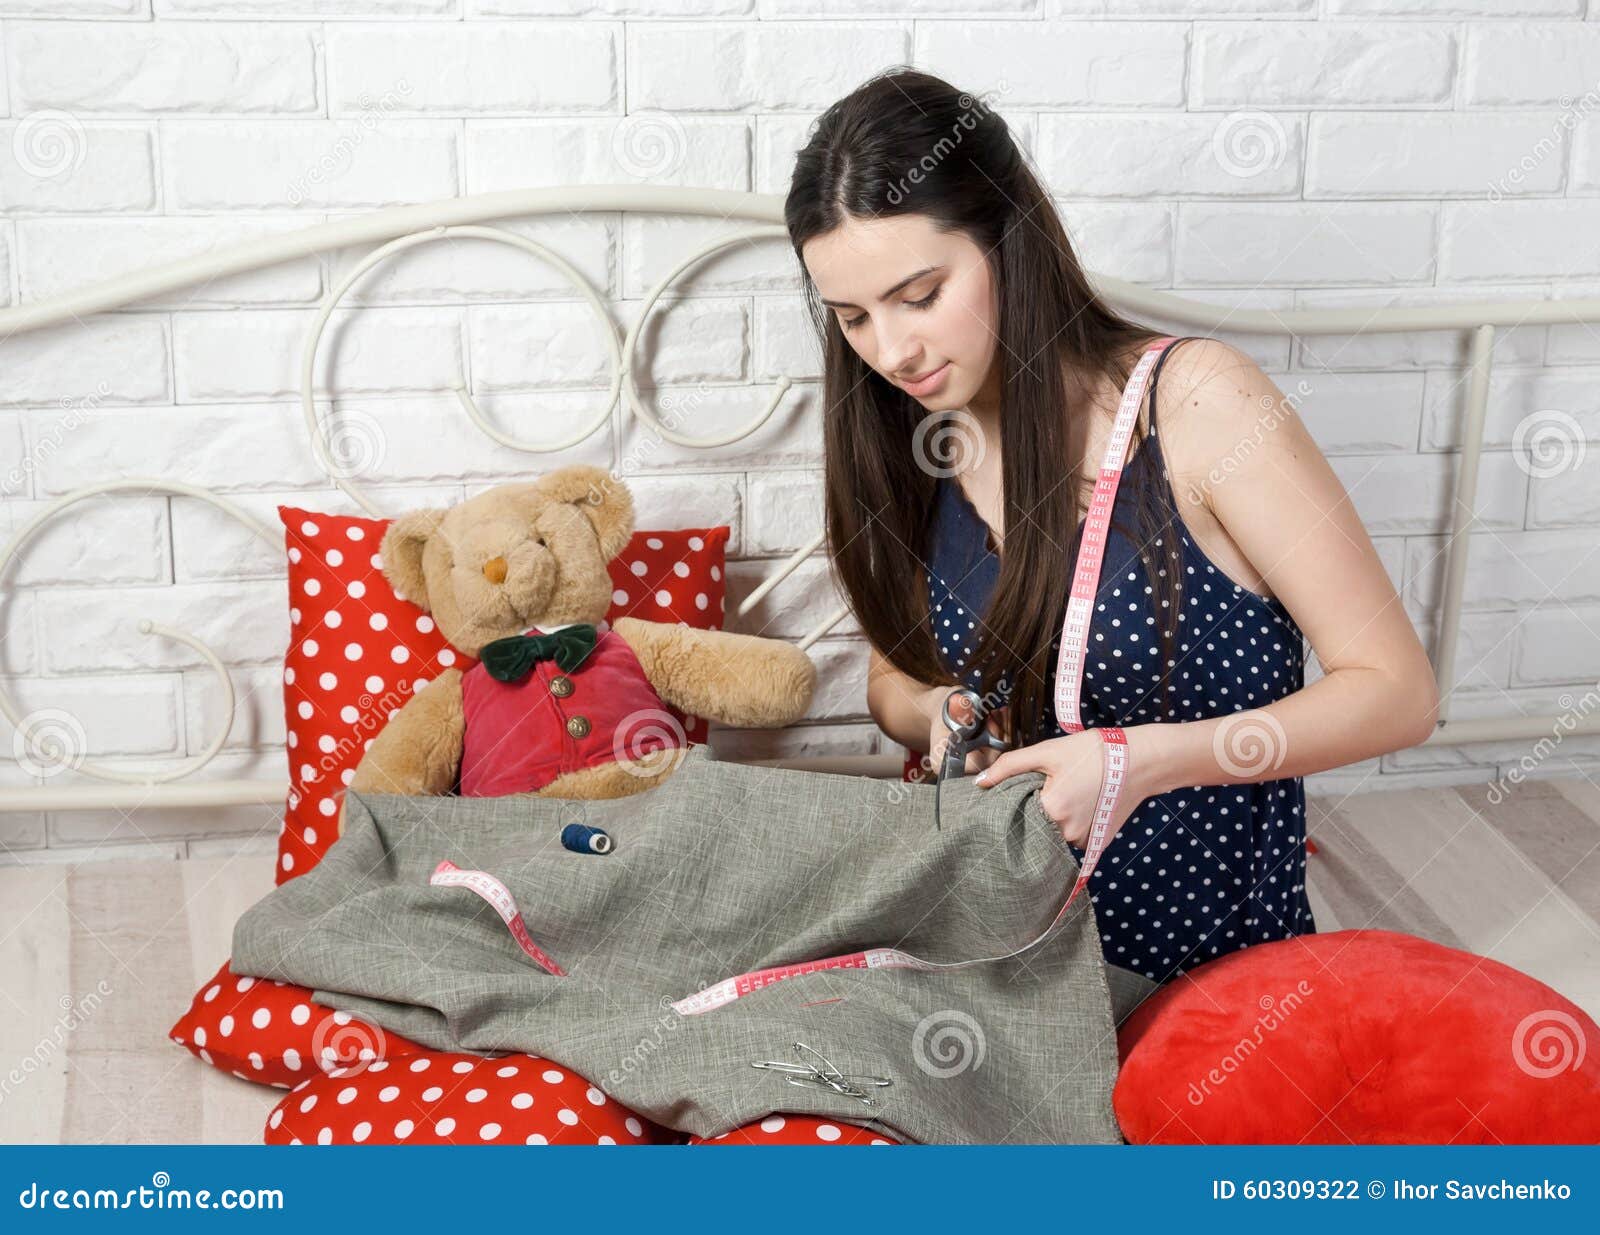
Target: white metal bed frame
x,y
399,228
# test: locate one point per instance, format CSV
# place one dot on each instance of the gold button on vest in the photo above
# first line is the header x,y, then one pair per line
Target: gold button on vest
x,y
561,686
578,726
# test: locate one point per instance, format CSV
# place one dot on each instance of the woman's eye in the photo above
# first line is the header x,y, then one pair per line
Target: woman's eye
x,y
927,302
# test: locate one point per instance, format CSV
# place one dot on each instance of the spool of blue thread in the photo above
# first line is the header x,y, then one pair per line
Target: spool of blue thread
x,y
581,839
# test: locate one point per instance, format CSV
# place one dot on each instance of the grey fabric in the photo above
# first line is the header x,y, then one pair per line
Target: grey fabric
x,y
726,868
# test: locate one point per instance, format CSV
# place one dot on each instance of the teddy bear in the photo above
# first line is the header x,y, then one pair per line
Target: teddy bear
x,y
561,703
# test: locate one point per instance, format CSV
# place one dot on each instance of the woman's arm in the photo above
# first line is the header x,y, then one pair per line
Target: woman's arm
x,y
897,702
1275,495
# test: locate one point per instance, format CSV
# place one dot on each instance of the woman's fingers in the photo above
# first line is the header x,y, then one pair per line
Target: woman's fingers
x,y
981,758
1008,763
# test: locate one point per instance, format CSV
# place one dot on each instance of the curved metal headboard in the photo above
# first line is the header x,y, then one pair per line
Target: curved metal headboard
x,y
400,228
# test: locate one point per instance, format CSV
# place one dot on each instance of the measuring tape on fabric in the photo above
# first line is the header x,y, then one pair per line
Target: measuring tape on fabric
x,y
1069,674
448,875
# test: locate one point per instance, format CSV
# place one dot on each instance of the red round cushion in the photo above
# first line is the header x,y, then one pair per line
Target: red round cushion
x,y
1364,1036
789,1129
447,1098
274,1033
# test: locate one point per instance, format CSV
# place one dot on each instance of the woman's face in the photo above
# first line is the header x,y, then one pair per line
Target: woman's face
x,y
914,301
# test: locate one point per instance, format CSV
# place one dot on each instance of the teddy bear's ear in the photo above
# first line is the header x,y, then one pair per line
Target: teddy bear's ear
x,y
401,552
602,497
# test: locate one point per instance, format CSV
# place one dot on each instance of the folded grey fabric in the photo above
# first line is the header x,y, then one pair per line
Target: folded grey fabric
x,y
723,869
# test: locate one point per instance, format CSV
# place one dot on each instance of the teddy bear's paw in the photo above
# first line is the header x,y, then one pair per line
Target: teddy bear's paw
x,y
620,778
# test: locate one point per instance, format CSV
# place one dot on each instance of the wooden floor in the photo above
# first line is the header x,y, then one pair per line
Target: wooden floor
x,y
120,947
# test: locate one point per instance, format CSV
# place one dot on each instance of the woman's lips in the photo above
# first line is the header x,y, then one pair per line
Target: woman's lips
x,y
930,383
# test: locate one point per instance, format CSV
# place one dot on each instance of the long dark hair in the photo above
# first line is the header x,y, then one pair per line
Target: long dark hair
x,y
1057,340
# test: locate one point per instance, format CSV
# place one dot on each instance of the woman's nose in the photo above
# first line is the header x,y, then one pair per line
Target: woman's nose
x,y
894,355
494,570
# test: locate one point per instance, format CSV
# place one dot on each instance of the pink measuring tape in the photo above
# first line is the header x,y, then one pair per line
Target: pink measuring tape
x,y
1069,675
448,875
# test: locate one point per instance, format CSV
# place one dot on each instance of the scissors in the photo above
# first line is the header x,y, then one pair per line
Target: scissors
x,y
965,738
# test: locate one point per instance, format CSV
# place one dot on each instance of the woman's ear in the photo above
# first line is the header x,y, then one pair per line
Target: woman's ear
x,y
401,553
601,497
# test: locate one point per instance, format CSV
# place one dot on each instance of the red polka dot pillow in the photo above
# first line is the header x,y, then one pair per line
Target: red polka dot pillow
x,y
275,1033
357,651
1357,1036
797,1130
443,1098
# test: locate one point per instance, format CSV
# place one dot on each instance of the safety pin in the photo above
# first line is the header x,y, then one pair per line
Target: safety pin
x,y
827,1070
840,1085
826,1077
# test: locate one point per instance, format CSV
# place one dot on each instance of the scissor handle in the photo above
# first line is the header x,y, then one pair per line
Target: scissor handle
x,y
960,728
965,738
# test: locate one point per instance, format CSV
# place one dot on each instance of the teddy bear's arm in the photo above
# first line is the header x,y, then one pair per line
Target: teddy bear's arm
x,y
741,680
418,753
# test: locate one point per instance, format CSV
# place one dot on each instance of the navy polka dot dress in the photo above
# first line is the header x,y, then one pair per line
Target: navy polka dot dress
x,y
1199,871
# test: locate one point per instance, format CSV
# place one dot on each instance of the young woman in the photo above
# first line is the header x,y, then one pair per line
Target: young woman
x,y
971,375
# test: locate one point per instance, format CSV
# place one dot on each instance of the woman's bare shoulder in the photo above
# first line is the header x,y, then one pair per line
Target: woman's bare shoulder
x,y
1212,402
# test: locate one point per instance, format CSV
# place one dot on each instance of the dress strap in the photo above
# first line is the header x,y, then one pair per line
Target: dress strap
x,y
1155,375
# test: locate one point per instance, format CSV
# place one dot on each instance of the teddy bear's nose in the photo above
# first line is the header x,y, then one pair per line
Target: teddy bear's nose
x,y
494,570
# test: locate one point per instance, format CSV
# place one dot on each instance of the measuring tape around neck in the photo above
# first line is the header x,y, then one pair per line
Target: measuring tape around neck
x,y
1080,606
1069,674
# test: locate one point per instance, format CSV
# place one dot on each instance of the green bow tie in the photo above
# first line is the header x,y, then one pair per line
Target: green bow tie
x,y
509,659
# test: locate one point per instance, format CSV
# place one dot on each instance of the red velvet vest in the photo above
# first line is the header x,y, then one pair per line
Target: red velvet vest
x,y
521,735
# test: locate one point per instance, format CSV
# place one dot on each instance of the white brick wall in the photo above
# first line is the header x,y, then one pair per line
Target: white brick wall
x,y
1248,153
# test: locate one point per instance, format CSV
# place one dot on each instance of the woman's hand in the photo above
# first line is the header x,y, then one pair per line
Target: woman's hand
x,y
939,734
1073,766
